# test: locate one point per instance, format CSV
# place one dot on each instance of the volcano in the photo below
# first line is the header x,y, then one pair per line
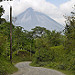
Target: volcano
x,y
30,19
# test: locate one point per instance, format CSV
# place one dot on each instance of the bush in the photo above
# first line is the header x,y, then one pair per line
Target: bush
x,y
58,53
53,54
21,55
3,73
6,67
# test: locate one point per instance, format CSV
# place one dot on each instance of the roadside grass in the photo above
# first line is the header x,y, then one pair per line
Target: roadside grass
x,y
6,67
45,65
67,72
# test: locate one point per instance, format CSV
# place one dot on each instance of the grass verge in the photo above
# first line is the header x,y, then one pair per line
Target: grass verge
x,y
44,64
6,67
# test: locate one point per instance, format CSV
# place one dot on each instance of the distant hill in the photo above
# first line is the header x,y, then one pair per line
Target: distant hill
x,y
30,19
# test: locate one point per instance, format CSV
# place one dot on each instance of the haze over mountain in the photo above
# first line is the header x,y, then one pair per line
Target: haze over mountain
x,y
30,19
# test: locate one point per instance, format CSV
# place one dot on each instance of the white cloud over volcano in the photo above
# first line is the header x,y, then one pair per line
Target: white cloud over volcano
x,y
39,5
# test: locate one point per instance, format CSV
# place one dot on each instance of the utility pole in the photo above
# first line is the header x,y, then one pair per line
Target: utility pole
x,y
11,34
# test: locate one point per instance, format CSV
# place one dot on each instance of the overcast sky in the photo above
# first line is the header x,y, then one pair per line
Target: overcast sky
x,y
53,8
57,2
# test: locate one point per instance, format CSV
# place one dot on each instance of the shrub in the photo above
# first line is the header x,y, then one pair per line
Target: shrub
x,y
21,55
6,67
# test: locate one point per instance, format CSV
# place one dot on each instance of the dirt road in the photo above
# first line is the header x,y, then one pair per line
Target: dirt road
x,y
25,69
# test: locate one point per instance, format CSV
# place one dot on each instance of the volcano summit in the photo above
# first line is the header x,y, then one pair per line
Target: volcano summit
x,y
30,19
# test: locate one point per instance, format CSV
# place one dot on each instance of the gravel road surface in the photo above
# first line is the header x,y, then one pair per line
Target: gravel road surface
x,y
25,69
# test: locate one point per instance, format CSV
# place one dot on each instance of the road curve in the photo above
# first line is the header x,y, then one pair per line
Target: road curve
x,y
25,69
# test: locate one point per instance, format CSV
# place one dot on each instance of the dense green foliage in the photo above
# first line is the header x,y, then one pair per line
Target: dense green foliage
x,y
21,55
2,20
19,42
55,50
6,67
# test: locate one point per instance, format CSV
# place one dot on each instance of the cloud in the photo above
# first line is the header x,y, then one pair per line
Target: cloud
x,y
66,8
39,5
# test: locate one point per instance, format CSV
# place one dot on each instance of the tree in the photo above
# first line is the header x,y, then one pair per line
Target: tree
x,y
70,32
38,32
0,0
2,20
5,36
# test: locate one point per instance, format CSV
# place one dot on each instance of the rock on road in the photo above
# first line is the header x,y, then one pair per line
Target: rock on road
x,y
25,69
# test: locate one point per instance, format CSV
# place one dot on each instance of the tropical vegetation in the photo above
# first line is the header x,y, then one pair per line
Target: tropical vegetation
x,y
43,47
